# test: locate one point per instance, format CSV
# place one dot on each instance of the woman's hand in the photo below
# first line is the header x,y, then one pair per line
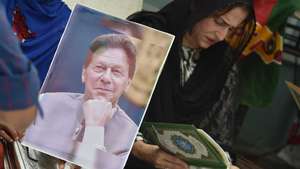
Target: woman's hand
x,y
154,155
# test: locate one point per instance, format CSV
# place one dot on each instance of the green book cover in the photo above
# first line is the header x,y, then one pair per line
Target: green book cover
x,y
188,143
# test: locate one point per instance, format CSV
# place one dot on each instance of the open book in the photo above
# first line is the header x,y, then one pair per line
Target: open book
x,y
295,91
188,143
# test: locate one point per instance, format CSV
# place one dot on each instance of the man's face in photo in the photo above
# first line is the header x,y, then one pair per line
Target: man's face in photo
x,y
107,75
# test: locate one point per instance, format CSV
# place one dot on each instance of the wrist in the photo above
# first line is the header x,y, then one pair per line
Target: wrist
x,y
93,123
144,151
90,133
136,148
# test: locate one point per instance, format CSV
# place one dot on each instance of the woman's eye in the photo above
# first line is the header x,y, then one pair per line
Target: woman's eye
x,y
220,21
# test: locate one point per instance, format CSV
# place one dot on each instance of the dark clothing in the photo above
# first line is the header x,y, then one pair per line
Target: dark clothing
x,y
19,81
39,25
208,97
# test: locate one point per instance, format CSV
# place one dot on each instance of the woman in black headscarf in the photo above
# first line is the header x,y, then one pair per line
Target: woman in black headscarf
x,y
199,82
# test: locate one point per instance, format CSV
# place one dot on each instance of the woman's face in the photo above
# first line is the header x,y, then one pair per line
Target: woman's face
x,y
211,30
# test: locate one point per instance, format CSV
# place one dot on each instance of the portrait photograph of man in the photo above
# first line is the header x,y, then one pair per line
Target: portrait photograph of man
x,y
90,117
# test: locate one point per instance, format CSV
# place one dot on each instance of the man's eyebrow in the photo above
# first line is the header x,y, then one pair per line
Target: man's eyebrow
x,y
98,64
116,66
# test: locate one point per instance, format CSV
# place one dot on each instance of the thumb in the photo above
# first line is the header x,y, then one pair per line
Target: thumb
x,y
61,164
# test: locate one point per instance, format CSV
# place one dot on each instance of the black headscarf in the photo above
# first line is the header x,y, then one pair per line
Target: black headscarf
x,y
190,104
171,102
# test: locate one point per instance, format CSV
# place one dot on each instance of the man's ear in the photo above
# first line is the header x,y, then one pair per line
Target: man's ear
x,y
128,84
83,75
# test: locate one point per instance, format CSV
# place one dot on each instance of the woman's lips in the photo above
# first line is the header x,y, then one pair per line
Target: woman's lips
x,y
211,41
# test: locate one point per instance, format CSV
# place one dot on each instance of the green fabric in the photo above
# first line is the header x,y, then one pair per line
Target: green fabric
x,y
266,125
281,11
258,81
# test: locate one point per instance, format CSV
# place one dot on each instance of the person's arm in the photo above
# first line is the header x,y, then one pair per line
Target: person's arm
x,y
157,157
19,84
13,123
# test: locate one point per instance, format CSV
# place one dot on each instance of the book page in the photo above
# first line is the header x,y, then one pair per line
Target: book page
x,y
295,91
217,147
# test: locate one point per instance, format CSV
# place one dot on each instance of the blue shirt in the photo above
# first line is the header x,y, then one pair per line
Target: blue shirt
x,y
39,25
19,83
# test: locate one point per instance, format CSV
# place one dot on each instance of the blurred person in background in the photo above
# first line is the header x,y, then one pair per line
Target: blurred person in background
x,y
19,84
38,24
